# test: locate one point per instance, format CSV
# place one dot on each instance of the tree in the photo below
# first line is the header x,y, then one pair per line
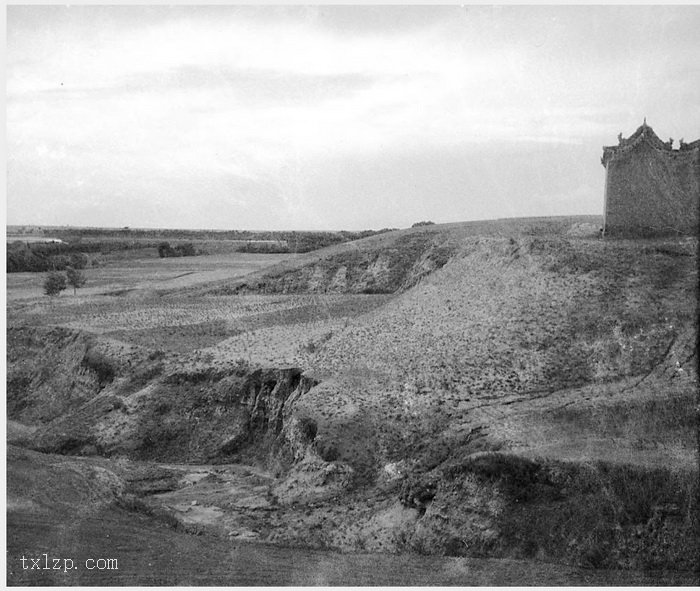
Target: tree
x,y
78,260
75,278
55,283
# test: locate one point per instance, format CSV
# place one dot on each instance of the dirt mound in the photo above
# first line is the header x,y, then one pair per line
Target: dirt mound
x,y
389,262
533,314
397,266
513,325
43,484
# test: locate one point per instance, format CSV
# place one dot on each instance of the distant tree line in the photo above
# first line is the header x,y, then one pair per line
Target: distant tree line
x,y
75,234
419,224
55,256
38,258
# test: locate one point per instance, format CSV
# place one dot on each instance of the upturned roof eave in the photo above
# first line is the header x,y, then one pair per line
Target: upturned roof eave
x,y
643,135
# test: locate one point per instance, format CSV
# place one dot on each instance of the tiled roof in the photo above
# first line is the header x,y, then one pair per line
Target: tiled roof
x,y
644,134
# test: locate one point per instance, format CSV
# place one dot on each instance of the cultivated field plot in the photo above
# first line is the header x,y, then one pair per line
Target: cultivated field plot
x,y
275,329
122,274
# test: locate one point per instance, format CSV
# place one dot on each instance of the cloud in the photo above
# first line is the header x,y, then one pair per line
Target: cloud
x,y
164,99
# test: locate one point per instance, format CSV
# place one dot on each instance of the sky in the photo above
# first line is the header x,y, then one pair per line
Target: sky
x,y
332,117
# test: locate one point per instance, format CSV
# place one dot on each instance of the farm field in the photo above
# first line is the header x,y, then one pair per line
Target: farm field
x,y
123,274
515,390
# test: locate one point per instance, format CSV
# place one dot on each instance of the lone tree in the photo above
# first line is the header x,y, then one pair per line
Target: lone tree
x,y
76,278
55,283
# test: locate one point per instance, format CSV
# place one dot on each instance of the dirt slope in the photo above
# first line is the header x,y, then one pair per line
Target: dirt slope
x,y
527,392
510,323
391,261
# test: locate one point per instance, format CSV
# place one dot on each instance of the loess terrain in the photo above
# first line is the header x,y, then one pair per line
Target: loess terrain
x,y
516,391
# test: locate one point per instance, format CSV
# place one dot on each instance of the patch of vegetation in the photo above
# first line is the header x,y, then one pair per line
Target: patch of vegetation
x,y
185,249
265,246
520,478
598,515
75,277
98,363
42,257
55,283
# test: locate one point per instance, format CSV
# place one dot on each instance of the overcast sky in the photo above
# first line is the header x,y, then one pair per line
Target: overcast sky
x,y
333,117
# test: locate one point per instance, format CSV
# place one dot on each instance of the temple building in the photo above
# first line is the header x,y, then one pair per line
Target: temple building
x,y
651,188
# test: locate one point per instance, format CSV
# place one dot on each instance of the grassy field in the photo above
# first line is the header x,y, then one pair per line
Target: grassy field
x,y
398,391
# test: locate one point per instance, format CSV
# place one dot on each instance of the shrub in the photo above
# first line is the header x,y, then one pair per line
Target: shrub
x,y
55,283
98,363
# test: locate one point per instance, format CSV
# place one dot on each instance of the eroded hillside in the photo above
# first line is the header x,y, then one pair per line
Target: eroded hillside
x,y
522,390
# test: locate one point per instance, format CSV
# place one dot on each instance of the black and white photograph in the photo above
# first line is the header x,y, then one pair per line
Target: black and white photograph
x,y
352,295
